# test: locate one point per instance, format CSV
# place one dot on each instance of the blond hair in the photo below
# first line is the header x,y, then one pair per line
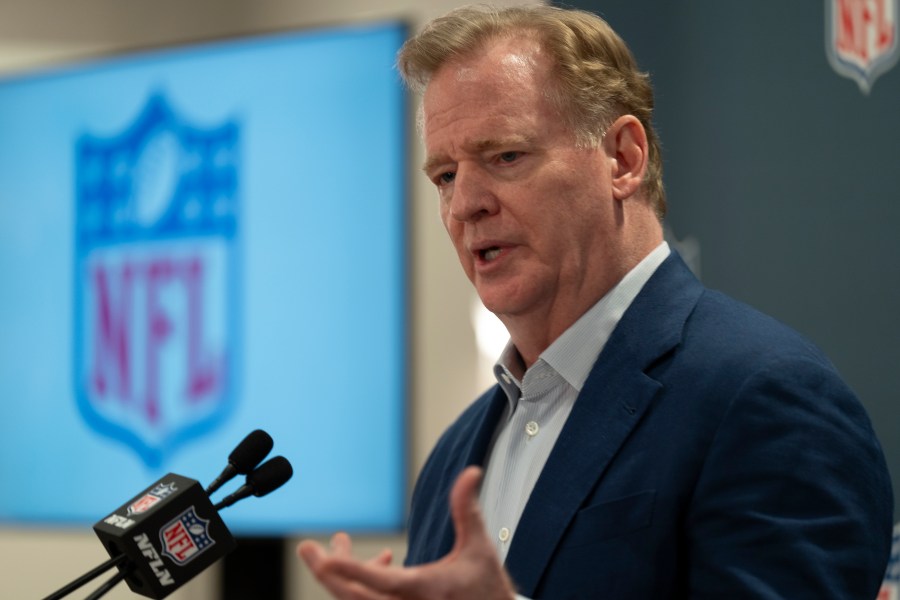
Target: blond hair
x,y
597,79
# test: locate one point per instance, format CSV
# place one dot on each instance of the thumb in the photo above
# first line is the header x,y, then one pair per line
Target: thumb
x,y
464,507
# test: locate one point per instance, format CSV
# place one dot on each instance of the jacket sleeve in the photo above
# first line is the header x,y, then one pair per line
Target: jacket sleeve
x,y
794,498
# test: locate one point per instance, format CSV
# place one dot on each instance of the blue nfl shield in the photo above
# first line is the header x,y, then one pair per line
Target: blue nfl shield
x,y
185,537
861,38
156,280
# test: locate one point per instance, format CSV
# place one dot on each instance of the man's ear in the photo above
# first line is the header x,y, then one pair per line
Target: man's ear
x,y
626,145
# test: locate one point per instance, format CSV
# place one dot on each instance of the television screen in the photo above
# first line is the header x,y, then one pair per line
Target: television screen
x,y
197,242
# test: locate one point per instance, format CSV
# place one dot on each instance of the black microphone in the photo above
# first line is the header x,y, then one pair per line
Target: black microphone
x,y
249,453
270,476
169,533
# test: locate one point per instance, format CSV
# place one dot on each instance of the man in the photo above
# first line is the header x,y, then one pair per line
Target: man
x,y
647,438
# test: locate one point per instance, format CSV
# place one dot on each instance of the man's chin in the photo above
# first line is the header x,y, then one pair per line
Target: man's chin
x,y
502,306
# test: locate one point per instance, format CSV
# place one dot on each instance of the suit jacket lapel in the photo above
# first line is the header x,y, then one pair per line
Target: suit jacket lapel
x,y
484,433
615,397
470,448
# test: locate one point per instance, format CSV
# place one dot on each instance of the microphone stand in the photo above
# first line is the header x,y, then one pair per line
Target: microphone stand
x,y
93,573
109,584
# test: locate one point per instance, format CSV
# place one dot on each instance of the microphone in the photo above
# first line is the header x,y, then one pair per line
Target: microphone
x,y
243,458
270,476
171,532
168,533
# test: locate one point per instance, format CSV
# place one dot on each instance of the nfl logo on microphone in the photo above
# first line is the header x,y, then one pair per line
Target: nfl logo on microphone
x,y
155,279
861,38
185,537
151,498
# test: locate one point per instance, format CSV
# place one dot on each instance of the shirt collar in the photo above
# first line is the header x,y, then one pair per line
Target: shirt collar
x,y
573,354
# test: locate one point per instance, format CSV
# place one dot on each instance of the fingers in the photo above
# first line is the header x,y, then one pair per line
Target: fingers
x,y
383,558
341,545
472,570
334,567
464,507
377,578
312,554
478,564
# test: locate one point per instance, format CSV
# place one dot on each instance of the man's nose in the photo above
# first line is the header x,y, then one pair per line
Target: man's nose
x,y
473,195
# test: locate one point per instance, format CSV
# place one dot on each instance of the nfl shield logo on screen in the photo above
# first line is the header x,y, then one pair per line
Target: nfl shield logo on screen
x,y
155,277
861,38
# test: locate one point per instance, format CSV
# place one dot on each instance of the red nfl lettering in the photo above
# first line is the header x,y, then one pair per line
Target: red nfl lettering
x,y
157,301
862,38
111,360
179,542
863,29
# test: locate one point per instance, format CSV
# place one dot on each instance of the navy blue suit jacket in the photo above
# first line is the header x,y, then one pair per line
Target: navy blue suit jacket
x,y
713,453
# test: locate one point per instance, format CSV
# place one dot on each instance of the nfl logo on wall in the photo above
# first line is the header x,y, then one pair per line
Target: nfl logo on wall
x,y
861,38
156,280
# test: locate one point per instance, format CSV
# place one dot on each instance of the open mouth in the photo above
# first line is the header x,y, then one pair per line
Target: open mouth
x,y
489,254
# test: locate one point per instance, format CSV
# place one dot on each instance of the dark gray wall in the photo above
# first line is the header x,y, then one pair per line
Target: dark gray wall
x,y
785,173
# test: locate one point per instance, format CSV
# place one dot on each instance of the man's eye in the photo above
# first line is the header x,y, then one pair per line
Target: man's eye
x,y
445,178
510,156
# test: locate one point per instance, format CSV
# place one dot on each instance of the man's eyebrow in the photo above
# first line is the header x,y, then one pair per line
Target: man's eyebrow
x,y
479,146
432,162
501,142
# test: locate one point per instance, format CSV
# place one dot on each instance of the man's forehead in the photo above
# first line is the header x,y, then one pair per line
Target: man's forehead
x,y
514,57
502,67
498,88
514,62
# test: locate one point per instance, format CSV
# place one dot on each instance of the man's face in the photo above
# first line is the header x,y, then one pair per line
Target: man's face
x,y
530,214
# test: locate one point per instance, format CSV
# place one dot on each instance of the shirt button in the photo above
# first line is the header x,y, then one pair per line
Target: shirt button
x,y
506,378
531,429
504,534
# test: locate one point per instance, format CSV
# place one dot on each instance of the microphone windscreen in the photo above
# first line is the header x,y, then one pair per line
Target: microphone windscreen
x,y
250,452
270,476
